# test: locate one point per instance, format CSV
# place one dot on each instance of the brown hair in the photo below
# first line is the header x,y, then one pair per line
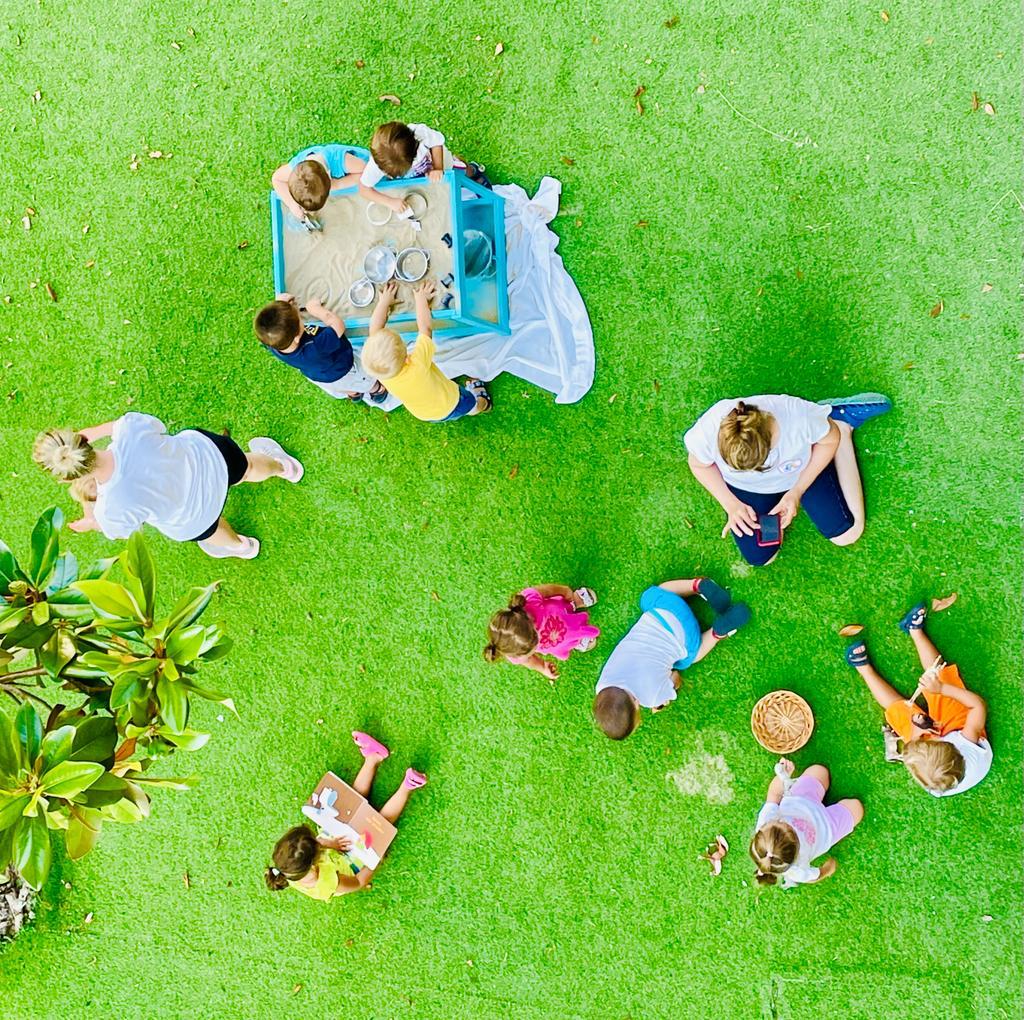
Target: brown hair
x,y
278,324
774,849
745,437
616,712
310,184
394,148
936,764
66,454
294,854
511,632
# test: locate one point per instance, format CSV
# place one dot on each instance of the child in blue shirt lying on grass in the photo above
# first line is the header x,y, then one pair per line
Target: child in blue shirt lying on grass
x,y
643,670
323,354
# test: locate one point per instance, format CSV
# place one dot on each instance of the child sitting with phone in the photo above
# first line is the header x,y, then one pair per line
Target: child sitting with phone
x,y
795,827
945,749
761,457
644,669
317,865
549,619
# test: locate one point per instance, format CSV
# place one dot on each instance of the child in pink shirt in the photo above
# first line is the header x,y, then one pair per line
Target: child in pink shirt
x,y
547,620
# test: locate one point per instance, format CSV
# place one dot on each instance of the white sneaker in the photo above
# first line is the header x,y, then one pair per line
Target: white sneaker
x,y
293,470
248,550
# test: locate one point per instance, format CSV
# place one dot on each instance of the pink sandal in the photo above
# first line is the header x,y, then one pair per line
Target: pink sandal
x,y
369,745
414,780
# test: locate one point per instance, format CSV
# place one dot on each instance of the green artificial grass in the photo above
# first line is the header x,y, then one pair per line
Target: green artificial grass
x,y
805,183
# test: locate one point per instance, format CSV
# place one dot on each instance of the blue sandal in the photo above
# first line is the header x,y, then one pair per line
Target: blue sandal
x,y
914,618
857,654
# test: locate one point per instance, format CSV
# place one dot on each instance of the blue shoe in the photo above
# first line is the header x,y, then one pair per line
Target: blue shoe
x,y
857,654
859,408
727,623
914,618
713,594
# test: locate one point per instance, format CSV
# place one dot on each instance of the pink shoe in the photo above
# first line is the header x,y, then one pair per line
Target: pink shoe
x,y
414,780
369,745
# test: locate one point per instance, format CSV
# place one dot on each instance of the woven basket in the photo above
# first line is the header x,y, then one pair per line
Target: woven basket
x,y
782,722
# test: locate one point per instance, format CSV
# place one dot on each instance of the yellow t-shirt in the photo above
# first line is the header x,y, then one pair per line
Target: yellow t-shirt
x,y
330,864
424,389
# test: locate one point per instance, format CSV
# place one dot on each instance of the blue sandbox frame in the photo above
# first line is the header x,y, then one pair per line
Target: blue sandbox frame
x,y
449,323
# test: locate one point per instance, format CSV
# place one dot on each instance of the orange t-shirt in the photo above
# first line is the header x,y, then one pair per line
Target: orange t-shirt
x,y
947,713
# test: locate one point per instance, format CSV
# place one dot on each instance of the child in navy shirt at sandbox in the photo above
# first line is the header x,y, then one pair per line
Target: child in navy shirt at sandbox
x,y
644,669
323,354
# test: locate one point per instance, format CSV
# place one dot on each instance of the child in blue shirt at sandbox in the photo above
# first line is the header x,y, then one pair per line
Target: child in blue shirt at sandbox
x,y
304,183
643,670
323,354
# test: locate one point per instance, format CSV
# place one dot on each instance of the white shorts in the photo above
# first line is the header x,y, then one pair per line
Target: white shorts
x,y
355,381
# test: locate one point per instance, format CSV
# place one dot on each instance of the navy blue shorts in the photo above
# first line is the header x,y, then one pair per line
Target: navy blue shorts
x,y
467,401
234,458
823,501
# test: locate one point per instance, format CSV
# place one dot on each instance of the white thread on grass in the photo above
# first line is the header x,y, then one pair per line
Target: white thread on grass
x,y
797,143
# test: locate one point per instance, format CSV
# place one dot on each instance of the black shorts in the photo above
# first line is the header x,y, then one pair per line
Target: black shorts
x,y
237,465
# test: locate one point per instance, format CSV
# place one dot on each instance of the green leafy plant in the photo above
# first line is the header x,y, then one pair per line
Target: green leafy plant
x,y
72,769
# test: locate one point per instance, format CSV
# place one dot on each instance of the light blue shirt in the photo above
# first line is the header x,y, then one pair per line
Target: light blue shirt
x,y
333,153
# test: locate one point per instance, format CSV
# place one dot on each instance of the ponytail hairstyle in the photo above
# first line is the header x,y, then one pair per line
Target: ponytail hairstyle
x,y
745,437
511,631
294,855
66,454
774,849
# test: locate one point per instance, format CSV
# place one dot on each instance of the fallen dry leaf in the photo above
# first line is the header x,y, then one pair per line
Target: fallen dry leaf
x,y
688,522
514,471
939,604
85,229
908,366
37,95
568,161
499,49
578,222
701,89
349,943
30,211
937,310
88,918
296,989
760,292
989,109
975,101
850,629
392,99
186,880
642,223
191,32
26,222
986,287
884,16
360,64
611,399
657,386
640,90
242,245
90,263
50,291
639,108
671,22
435,596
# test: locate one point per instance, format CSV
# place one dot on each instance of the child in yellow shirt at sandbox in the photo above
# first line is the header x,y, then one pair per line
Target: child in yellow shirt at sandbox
x,y
412,376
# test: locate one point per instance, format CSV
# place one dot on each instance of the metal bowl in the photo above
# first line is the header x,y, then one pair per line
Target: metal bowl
x,y
362,292
412,264
378,213
379,263
417,202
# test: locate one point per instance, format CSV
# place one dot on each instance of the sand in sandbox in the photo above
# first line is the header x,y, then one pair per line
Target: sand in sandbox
x,y
324,265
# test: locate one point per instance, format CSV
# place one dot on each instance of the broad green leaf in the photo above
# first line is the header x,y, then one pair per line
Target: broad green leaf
x,y
111,599
138,562
11,759
70,778
187,740
124,811
6,847
30,731
109,663
56,747
99,569
217,650
12,808
83,831
185,643
32,851
64,573
8,569
107,790
189,608
56,819
126,687
211,695
95,740
173,699
57,652
176,783
170,669
28,635
40,613
45,546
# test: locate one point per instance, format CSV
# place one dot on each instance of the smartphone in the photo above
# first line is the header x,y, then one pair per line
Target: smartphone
x,y
769,530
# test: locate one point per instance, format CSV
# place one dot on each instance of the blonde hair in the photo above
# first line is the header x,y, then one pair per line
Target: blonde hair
x,y
84,490
384,354
774,848
936,764
66,454
745,437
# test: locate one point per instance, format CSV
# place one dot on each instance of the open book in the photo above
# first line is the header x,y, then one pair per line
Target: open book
x,y
338,810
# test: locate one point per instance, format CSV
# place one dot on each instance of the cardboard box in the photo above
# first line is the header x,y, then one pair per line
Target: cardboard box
x,y
338,810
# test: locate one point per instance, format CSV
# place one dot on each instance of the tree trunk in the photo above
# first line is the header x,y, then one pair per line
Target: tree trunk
x,y
15,904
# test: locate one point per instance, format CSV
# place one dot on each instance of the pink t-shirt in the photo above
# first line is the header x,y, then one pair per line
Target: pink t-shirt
x,y
560,628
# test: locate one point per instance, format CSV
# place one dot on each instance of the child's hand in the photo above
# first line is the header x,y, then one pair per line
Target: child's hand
x,y
434,176
785,765
389,293
548,669
285,296
342,843
426,291
930,682
398,204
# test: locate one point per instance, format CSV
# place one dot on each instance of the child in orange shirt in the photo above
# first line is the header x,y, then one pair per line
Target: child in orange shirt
x,y
946,749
